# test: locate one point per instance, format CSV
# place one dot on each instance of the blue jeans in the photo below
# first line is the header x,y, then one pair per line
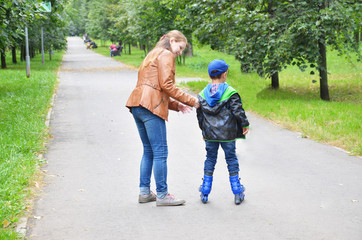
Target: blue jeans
x,y
152,130
230,157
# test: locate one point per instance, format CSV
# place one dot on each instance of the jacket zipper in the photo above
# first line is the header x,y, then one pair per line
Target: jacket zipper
x,y
159,103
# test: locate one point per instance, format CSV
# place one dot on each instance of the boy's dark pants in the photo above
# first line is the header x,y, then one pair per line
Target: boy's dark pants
x,y
230,156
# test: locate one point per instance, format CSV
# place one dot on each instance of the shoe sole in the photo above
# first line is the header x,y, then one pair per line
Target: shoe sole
x,y
145,201
170,204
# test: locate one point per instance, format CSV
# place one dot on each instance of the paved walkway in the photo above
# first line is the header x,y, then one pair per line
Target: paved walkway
x,y
296,188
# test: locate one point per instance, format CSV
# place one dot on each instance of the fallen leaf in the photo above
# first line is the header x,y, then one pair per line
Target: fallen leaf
x,y
6,223
353,200
37,217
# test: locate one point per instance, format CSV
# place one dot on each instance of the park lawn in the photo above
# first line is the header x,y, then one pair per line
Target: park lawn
x,y
24,104
296,105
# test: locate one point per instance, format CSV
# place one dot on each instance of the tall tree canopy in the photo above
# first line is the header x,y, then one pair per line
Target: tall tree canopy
x,y
264,35
15,15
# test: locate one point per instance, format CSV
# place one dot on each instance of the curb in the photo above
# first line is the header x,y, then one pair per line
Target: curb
x,y
22,226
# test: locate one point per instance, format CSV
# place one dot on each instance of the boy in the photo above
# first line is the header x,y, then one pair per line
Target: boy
x,y
222,120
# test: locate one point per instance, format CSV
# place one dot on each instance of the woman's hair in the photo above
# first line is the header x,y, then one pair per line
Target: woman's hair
x,y
164,43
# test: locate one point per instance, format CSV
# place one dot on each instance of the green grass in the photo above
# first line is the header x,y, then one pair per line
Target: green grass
x,y
296,105
24,104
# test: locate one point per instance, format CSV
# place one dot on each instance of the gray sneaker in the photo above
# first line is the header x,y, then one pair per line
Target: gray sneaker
x,y
169,200
145,198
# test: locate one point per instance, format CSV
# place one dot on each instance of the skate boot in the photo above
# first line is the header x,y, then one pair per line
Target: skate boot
x,y
205,188
237,189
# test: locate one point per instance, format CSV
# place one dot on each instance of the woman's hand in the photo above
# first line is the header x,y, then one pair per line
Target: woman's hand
x,y
184,108
197,103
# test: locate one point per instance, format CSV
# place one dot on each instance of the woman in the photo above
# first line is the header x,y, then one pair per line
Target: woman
x,y
149,104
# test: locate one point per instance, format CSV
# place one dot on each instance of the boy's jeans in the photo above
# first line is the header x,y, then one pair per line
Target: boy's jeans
x,y
230,156
152,130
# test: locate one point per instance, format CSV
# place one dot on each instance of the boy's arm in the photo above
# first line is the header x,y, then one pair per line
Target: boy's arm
x,y
200,117
237,109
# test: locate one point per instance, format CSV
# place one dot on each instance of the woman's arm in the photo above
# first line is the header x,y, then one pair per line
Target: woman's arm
x,y
166,77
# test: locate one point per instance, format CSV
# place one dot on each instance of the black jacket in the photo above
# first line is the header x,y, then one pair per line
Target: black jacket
x,y
225,120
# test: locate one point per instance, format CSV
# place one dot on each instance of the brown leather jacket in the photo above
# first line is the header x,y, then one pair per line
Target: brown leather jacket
x,y
155,86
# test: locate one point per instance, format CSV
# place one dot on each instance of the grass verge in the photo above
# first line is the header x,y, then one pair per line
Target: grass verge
x,y
296,105
24,104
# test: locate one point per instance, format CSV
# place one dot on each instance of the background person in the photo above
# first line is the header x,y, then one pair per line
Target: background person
x,y
112,48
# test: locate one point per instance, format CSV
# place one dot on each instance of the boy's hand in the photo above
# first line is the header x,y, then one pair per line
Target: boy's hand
x,y
184,108
245,131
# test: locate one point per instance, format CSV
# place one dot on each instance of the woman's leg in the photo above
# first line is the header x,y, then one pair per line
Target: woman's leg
x,y
147,157
156,132
152,131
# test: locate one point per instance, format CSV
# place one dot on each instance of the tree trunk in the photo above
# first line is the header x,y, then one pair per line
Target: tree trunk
x,y
31,51
22,53
149,47
275,76
357,35
190,50
129,48
3,60
13,51
275,80
323,78
50,54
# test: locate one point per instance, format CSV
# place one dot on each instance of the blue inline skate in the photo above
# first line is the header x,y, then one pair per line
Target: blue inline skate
x,y
237,189
205,188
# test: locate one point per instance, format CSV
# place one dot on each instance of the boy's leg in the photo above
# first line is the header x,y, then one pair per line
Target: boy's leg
x,y
211,157
230,157
233,167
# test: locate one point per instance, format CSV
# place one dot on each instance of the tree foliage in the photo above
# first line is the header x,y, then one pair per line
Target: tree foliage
x,y
15,15
264,35
267,36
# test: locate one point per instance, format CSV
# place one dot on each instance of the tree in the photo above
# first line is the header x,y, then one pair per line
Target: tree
x,y
77,16
15,15
99,23
126,17
184,22
266,35
316,24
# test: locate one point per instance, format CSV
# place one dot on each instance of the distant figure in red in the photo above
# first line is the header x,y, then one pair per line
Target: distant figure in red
x,y
112,48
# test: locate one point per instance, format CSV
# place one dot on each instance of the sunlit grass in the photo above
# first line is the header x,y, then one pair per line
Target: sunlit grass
x,y
24,104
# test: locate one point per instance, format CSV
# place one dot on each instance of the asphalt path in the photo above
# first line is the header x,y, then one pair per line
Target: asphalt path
x,y
295,188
